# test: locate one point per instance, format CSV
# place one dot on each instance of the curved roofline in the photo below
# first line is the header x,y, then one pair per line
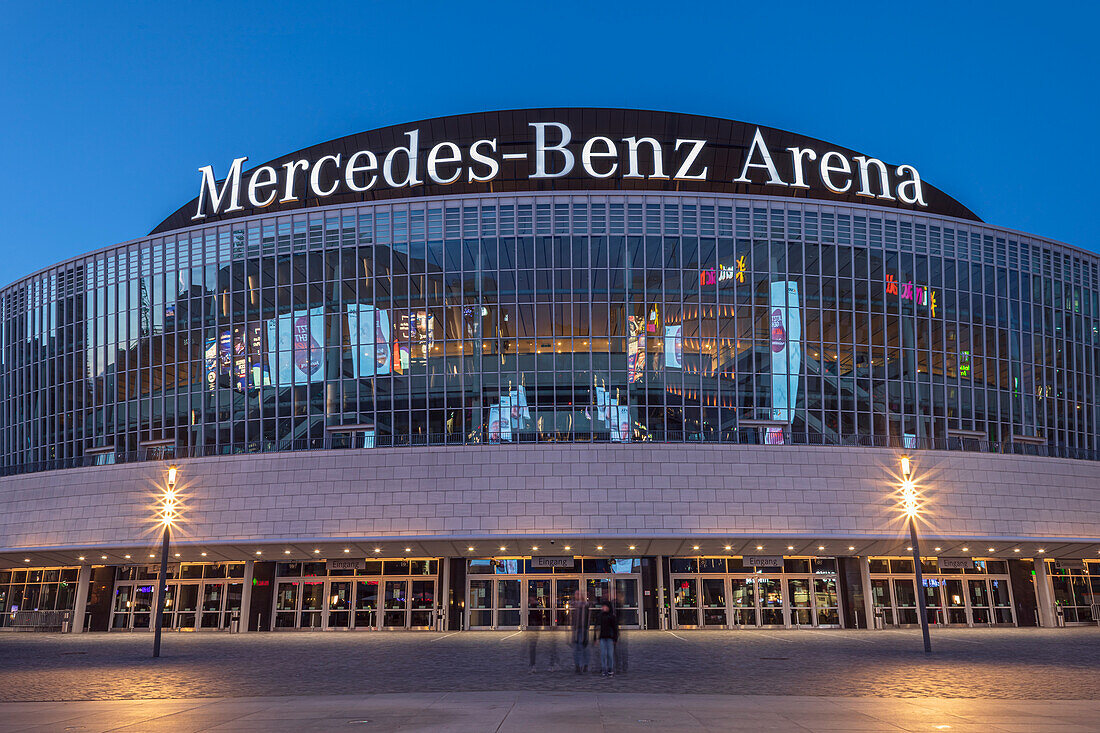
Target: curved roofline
x,y
511,132
685,194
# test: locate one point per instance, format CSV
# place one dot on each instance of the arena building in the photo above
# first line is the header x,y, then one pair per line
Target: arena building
x,y
446,373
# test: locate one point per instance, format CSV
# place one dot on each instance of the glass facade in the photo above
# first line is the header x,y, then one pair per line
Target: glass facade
x,y
551,317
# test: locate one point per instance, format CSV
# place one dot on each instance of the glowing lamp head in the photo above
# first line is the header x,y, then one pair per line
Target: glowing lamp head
x,y
905,466
910,502
172,470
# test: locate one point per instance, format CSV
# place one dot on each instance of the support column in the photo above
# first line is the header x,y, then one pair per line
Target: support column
x,y
661,621
1044,594
868,599
443,602
246,594
80,605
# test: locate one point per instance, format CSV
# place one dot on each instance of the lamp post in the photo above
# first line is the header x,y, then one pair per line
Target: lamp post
x,y
167,514
910,504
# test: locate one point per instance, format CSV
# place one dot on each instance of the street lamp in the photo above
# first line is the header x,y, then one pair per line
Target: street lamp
x,y
911,506
168,512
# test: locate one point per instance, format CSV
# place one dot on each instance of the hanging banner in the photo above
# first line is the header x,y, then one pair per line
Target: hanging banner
x,y
298,356
674,346
786,348
369,328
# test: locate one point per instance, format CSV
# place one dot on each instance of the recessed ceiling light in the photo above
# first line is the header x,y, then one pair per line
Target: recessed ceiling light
x,y
761,547
991,549
26,559
695,547
126,556
632,547
600,547
729,547
937,549
105,557
821,547
851,547
316,552
203,554
789,547
1041,550
81,558
259,552
377,550
286,552
1017,549
502,548
534,547
568,547
909,548
469,549
408,549
347,549
966,549
152,555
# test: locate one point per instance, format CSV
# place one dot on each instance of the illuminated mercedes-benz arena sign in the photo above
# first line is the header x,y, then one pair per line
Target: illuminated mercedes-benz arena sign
x,y
444,374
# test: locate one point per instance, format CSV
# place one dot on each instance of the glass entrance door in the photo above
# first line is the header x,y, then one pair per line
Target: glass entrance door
x,y
714,603
541,602
743,602
770,597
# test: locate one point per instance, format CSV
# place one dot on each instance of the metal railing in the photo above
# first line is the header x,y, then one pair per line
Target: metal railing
x,y
744,436
39,620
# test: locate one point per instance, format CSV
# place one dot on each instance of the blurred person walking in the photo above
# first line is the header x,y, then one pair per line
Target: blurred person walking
x,y
578,632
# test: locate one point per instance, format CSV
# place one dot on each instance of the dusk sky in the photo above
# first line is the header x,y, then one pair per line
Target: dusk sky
x,y
109,110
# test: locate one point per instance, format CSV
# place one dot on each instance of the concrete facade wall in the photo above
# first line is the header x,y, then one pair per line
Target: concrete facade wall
x,y
583,490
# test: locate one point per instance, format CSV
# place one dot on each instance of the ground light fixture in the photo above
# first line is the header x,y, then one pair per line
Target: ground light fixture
x,y
911,508
167,513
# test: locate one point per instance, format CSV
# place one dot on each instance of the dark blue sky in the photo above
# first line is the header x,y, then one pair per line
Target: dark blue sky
x,y
109,109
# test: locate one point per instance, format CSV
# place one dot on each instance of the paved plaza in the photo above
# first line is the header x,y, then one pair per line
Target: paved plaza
x,y
976,679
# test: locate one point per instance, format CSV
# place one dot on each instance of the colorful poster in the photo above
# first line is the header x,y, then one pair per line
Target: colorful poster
x,y
786,348
674,346
211,358
620,429
635,349
296,340
371,354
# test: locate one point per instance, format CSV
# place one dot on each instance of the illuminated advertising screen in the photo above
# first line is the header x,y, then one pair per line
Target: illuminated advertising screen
x,y
371,353
786,348
674,346
211,358
296,341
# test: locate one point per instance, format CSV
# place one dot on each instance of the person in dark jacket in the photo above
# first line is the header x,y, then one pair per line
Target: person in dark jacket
x,y
607,630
